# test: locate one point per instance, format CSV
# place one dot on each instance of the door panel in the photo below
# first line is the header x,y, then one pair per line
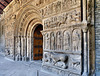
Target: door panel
x,y
38,44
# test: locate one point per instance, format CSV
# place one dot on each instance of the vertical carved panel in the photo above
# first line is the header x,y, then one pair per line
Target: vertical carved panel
x,y
76,40
67,40
59,41
52,42
47,41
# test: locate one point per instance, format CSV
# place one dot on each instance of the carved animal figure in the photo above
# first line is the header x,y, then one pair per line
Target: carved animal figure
x,y
58,57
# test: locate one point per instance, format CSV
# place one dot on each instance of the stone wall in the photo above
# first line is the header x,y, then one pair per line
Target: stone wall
x,y
2,34
97,36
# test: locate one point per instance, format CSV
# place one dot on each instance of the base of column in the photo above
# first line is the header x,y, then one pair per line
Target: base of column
x,y
85,74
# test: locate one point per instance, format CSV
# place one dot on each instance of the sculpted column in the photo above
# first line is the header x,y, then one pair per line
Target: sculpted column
x,y
85,49
22,46
14,46
85,52
29,47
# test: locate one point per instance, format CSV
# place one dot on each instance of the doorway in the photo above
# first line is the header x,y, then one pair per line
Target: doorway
x,y
38,43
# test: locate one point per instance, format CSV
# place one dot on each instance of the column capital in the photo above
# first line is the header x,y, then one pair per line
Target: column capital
x,y
85,29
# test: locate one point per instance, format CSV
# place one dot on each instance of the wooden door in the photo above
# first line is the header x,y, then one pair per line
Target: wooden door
x,y
38,44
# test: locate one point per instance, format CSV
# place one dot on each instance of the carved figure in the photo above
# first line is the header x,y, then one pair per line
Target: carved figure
x,y
76,62
59,41
47,57
67,40
52,41
73,2
47,42
58,6
58,57
58,60
76,40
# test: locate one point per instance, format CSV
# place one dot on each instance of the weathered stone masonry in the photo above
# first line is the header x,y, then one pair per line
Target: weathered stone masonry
x,y
97,36
68,34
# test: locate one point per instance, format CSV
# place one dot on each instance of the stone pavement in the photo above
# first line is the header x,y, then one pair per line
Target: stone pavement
x,y
18,68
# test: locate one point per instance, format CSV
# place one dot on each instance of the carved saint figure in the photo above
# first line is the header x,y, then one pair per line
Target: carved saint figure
x,y
52,41
47,42
73,2
59,41
76,40
66,40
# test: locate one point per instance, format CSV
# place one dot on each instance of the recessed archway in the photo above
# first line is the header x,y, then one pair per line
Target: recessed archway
x,y
37,42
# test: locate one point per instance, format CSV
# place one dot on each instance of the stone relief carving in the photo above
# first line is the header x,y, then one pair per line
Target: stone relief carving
x,y
55,59
58,6
59,41
65,18
67,40
64,4
47,42
76,40
39,2
52,41
75,62
17,1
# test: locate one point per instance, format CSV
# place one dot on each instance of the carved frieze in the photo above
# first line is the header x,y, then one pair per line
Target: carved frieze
x,y
58,6
63,20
